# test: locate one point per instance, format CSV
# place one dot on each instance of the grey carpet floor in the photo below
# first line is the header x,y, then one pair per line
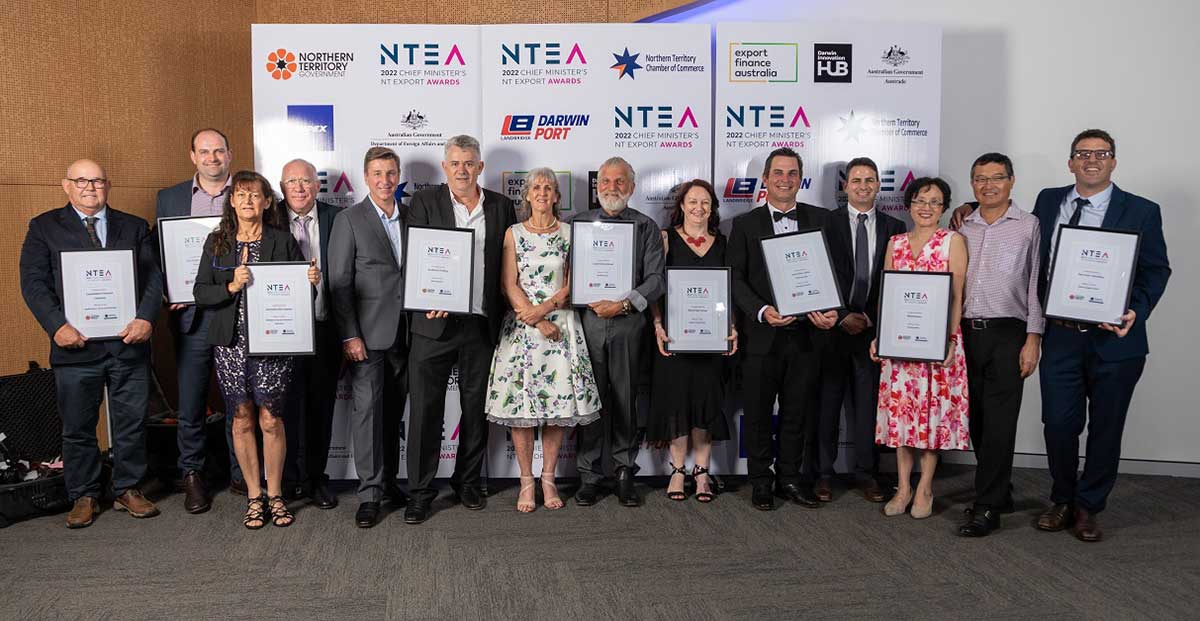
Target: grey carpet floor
x,y
665,560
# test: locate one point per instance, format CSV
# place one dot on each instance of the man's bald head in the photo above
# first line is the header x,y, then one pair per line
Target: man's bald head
x,y
86,185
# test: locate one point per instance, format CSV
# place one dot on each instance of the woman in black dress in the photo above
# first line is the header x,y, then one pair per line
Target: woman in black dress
x,y
688,390
246,236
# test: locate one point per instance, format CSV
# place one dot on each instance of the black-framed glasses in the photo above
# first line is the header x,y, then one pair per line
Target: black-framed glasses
x,y
924,203
1087,154
83,182
983,181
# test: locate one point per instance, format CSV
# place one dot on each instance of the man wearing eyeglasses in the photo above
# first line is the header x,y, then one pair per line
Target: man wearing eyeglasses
x,y
83,368
202,195
310,406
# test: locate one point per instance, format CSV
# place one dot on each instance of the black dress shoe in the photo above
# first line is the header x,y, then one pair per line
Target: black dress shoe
x,y
799,494
762,498
626,493
238,486
588,495
393,495
195,493
980,523
417,511
471,497
321,496
367,515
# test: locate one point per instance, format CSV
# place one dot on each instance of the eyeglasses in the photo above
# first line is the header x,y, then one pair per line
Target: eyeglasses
x,y
244,196
1087,154
82,183
920,202
983,181
304,181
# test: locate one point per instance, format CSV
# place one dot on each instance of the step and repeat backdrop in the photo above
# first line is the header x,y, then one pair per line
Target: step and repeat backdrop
x,y
569,96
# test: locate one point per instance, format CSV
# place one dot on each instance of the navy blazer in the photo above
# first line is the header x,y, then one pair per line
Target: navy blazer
x,y
41,276
173,202
1129,212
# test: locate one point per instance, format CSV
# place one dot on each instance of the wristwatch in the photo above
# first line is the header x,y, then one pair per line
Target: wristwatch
x,y
626,306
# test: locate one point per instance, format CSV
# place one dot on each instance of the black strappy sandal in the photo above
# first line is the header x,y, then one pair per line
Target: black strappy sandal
x,y
681,495
256,511
280,515
703,496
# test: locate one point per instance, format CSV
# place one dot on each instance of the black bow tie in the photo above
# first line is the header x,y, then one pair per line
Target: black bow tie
x,y
779,215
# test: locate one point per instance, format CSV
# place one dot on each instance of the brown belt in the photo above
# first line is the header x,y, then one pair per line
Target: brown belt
x,y
1072,325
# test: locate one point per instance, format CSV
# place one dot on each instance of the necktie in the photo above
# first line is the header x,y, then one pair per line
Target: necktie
x,y
302,235
1079,205
779,215
90,223
862,269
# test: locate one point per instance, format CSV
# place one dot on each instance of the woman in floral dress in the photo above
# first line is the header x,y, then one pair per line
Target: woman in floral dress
x,y
923,406
541,373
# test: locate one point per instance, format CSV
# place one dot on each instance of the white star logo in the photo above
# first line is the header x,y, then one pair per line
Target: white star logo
x,y
852,126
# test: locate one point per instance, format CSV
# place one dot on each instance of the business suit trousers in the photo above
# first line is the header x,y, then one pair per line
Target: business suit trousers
x,y
615,346
194,362
849,378
994,380
787,373
80,389
311,401
1078,389
465,342
380,387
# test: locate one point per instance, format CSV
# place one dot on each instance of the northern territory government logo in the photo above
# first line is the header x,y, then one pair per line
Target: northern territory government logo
x,y
628,63
895,66
764,62
285,64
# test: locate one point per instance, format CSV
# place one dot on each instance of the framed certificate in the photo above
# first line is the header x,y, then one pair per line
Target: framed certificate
x,y
180,244
99,289
697,310
1091,274
438,269
801,274
602,254
280,310
914,316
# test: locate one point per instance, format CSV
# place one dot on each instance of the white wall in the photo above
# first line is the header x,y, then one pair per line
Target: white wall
x,y
1023,77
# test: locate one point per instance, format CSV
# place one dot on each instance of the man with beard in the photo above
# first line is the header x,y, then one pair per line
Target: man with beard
x,y
614,330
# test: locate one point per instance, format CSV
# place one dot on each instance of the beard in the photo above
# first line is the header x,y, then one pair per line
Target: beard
x,y
613,203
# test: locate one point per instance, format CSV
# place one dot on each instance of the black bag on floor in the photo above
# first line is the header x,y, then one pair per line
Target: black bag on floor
x,y
29,415
22,501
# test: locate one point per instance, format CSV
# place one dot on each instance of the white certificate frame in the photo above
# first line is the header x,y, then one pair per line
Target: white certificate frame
x,y
596,272
811,263
180,245
1089,284
435,281
99,290
280,310
914,329
690,331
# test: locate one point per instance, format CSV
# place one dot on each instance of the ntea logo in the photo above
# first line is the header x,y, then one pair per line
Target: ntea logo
x,y
775,116
418,54
551,53
662,117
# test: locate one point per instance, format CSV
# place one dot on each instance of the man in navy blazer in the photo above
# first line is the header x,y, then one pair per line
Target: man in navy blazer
x,y
202,195
1088,373
83,367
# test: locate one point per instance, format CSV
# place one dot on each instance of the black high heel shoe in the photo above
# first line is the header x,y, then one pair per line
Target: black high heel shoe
x,y
703,496
680,495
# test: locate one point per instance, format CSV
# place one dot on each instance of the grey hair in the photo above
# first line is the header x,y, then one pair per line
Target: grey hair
x,y
619,161
299,161
544,173
465,142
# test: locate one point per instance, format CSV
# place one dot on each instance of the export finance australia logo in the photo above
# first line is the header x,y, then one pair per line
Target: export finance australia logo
x,y
310,127
764,62
284,64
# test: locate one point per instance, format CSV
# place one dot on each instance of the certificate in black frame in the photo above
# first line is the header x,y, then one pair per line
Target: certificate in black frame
x,y
134,278
312,315
575,249
885,318
162,256
728,305
410,247
841,300
1050,272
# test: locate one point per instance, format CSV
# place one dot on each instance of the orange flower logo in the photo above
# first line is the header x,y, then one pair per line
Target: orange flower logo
x,y
282,64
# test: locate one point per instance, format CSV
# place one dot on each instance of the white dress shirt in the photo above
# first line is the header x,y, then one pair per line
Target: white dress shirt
x,y
782,225
1093,213
391,226
870,224
475,221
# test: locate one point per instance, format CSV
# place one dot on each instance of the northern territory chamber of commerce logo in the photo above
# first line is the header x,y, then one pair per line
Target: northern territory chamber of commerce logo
x,y
284,64
626,64
655,62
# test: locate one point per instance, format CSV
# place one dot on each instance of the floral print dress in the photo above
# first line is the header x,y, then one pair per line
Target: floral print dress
x,y
535,381
924,405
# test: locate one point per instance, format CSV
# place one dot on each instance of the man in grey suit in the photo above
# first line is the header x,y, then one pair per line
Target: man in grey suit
x,y
366,253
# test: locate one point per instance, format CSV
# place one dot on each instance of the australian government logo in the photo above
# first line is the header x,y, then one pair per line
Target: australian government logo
x,y
411,131
764,62
421,63
895,66
287,63
542,63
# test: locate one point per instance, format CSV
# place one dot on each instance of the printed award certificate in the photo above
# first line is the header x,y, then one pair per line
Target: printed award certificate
x,y
99,289
180,244
1091,275
800,272
914,316
601,261
438,268
697,309
280,310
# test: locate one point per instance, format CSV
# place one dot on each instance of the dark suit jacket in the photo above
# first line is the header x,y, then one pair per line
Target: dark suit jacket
x,y
325,215
210,288
432,207
41,270
751,284
1125,211
841,250
366,280
169,203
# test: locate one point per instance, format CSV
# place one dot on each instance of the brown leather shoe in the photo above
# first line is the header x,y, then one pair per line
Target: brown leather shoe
x,y
1086,527
1056,518
824,489
83,513
135,503
871,490
195,493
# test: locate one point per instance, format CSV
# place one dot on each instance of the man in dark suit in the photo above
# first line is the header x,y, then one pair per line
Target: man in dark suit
x,y
202,195
1088,374
780,359
83,367
858,240
440,341
366,279
310,405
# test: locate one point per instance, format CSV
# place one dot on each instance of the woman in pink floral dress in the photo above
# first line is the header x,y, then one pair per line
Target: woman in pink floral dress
x,y
923,406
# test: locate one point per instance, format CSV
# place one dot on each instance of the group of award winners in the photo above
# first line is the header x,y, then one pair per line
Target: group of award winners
x,y
533,359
